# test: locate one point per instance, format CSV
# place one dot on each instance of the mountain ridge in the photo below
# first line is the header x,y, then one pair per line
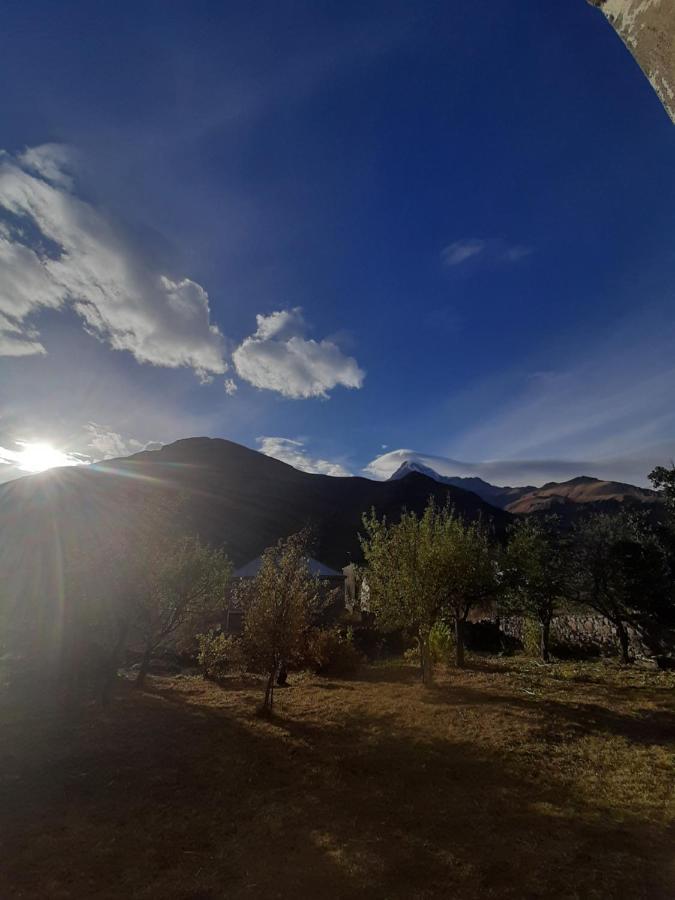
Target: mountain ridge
x,y
580,490
233,497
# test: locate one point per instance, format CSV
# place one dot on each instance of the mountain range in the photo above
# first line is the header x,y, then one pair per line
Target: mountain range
x,y
552,497
233,497
243,501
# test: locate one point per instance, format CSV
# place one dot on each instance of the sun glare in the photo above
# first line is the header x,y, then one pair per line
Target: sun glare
x,y
40,457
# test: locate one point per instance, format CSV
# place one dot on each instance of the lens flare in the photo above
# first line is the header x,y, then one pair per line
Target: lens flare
x,y
40,457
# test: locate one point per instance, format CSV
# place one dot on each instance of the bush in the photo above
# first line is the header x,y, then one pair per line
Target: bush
x,y
441,642
531,637
441,645
332,653
219,654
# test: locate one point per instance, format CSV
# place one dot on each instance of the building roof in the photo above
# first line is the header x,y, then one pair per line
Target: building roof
x,y
251,569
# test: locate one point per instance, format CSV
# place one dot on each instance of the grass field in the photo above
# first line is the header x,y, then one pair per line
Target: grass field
x,y
508,779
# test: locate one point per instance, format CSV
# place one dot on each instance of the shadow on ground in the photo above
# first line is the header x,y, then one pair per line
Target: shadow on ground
x,y
166,796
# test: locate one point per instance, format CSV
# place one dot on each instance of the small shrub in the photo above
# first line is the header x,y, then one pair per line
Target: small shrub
x,y
412,655
219,654
441,642
531,637
332,653
441,645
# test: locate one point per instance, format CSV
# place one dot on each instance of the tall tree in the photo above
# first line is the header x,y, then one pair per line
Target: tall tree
x,y
535,572
663,479
279,604
621,571
472,578
180,579
421,566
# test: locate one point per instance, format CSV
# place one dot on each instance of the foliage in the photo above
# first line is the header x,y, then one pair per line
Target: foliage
x,y
663,480
441,642
332,652
535,574
181,579
279,604
422,566
621,571
441,645
219,654
531,636
142,584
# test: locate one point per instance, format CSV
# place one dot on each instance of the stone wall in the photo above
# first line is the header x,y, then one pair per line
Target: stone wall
x,y
586,633
647,28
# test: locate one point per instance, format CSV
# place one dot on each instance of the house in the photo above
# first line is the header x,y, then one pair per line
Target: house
x,y
332,583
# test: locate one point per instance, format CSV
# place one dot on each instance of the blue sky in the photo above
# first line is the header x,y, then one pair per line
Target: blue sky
x,y
336,231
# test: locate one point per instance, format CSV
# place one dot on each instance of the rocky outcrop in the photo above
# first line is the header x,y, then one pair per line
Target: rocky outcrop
x,y
647,28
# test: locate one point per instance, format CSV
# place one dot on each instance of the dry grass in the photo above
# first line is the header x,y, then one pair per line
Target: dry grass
x,y
505,780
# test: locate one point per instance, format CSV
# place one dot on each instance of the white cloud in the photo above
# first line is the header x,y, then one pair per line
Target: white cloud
x,y
103,443
277,357
489,249
106,444
230,386
57,251
516,253
295,454
459,251
51,161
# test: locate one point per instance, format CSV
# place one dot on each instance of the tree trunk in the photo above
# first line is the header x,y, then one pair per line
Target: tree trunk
x,y
143,669
545,637
111,669
622,634
268,702
426,666
459,642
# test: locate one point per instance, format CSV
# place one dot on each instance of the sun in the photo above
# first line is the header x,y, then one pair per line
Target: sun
x,y
40,457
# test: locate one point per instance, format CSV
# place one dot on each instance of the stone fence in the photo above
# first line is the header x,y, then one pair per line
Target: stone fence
x,y
592,634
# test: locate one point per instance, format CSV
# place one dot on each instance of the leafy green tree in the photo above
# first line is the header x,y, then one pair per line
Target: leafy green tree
x,y
535,573
423,566
621,571
179,580
279,605
472,577
663,479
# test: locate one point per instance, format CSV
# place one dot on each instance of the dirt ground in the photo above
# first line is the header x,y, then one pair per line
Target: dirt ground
x,y
508,779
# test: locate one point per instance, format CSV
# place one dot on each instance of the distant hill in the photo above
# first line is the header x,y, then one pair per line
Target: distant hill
x,y
235,497
582,490
560,497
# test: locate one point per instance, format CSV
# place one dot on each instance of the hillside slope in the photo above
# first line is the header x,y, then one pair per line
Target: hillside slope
x,y
232,496
582,490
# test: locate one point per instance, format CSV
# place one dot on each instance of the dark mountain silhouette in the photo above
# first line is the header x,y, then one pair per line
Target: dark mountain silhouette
x,y
230,495
491,493
566,497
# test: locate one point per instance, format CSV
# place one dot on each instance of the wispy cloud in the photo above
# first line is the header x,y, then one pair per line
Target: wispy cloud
x,y
459,251
295,454
279,358
57,251
488,249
